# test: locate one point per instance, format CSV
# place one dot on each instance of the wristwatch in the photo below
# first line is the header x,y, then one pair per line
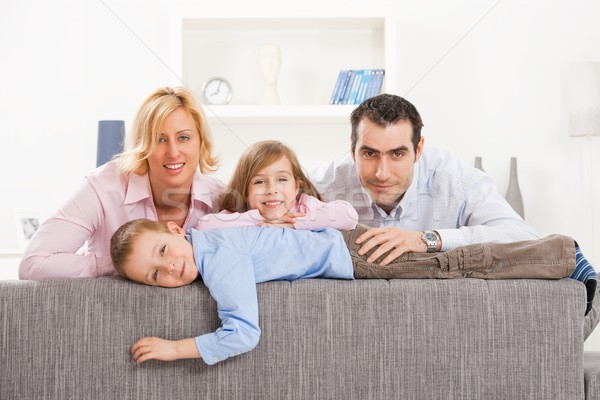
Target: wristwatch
x,y
431,240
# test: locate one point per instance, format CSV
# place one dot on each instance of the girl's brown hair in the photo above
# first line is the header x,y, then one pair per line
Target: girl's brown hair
x,y
255,158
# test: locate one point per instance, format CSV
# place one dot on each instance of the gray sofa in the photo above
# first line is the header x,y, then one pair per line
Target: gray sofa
x,y
321,339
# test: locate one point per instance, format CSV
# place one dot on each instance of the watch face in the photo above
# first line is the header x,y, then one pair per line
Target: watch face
x,y
430,236
217,91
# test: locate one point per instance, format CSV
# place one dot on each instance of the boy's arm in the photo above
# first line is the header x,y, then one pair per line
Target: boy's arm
x,y
228,272
154,348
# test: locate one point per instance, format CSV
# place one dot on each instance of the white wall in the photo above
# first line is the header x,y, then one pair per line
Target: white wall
x,y
485,75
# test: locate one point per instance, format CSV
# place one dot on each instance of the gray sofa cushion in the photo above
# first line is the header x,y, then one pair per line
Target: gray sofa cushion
x,y
417,339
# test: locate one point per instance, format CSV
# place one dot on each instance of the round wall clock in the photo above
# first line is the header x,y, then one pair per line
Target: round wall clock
x,y
217,91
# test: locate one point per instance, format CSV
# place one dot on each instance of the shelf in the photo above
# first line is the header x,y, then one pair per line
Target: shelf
x,y
313,50
11,252
302,114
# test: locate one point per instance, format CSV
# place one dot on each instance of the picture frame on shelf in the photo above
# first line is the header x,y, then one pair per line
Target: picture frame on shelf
x,y
26,223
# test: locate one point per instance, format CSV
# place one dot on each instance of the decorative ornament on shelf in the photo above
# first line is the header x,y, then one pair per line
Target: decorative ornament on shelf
x,y
110,140
216,91
269,62
513,193
478,164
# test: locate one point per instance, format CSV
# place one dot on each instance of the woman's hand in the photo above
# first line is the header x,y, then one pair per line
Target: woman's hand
x,y
154,348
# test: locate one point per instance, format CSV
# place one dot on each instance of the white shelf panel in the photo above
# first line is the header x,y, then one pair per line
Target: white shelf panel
x,y
11,252
303,114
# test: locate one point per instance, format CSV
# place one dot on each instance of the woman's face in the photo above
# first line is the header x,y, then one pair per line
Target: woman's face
x,y
175,158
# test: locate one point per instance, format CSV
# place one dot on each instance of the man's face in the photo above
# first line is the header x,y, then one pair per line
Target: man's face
x,y
385,160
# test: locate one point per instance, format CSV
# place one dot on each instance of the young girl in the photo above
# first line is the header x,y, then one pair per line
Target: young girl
x,y
269,187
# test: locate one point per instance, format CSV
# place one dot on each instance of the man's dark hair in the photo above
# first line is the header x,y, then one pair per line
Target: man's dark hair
x,y
384,110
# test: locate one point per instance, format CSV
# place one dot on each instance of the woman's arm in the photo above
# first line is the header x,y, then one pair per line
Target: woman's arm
x,y
52,250
338,214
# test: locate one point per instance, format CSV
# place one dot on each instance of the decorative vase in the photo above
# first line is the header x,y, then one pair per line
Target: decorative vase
x,y
110,140
478,164
513,193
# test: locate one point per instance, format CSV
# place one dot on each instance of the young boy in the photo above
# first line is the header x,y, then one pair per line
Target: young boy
x,y
231,262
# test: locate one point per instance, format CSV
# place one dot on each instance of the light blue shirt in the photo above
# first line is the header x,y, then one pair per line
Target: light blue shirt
x,y
447,195
231,262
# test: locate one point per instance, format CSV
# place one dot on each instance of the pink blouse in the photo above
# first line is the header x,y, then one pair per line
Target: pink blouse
x,y
104,202
338,214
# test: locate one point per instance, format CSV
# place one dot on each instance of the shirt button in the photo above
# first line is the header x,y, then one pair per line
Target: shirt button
x,y
215,359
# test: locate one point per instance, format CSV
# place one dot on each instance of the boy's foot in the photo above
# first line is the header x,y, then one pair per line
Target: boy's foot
x,y
584,272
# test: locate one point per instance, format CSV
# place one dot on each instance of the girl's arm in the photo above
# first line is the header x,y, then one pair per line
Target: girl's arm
x,y
227,219
338,214
52,250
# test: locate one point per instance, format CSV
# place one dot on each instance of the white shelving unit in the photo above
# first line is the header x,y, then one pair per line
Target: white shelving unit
x,y
314,49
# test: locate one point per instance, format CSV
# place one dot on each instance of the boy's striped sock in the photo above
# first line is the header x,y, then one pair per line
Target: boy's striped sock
x,y
584,272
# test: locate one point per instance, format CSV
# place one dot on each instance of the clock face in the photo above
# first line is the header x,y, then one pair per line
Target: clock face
x,y
216,91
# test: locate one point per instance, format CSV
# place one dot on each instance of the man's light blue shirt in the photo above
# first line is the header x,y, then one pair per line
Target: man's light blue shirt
x,y
458,201
231,262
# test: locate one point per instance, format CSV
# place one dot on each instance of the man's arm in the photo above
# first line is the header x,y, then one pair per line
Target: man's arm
x,y
482,216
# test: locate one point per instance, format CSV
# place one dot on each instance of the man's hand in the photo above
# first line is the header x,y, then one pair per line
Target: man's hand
x,y
154,348
389,239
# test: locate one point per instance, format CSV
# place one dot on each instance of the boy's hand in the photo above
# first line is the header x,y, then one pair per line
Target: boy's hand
x,y
154,348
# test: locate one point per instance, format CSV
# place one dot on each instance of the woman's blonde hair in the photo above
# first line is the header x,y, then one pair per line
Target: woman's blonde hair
x,y
122,241
144,134
255,158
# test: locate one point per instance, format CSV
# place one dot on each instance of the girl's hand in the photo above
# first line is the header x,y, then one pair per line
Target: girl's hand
x,y
290,218
277,225
154,348
286,221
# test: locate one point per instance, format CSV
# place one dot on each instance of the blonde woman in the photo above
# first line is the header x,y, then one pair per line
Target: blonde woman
x,y
159,176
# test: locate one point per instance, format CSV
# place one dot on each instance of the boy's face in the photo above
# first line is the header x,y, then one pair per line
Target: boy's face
x,y
162,259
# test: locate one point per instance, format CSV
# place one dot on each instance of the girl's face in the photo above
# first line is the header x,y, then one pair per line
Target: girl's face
x,y
273,190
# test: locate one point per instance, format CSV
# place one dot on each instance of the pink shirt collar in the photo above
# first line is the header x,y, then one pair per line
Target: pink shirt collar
x,y
138,189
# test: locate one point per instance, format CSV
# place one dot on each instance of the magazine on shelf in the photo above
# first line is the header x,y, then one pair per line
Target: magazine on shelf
x,y
353,86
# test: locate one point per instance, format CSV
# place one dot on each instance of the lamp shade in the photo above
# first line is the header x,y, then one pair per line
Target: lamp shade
x,y
584,99
110,140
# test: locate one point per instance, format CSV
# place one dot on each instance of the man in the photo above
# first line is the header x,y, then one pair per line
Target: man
x,y
417,198
422,199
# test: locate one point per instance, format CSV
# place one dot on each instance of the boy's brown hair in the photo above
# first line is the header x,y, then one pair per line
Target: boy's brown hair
x,y
121,242
255,158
